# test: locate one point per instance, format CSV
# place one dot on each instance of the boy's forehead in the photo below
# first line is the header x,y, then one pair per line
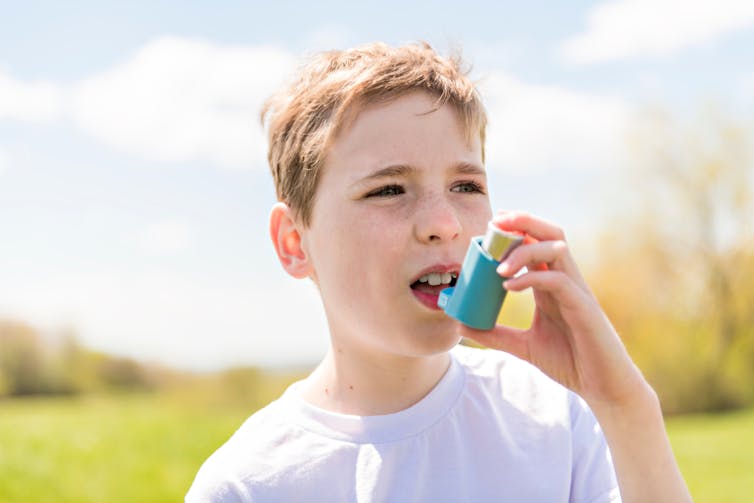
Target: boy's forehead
x,y
408,124
410,103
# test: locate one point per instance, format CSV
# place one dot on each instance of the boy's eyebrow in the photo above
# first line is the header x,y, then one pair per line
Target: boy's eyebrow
x,y
392,171
466,168
400,170
389,172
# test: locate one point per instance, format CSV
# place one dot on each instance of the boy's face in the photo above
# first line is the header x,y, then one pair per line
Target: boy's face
x,y
401,194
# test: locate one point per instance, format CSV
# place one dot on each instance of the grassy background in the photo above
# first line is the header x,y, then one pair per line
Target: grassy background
x,y
716,455
128,448
147,448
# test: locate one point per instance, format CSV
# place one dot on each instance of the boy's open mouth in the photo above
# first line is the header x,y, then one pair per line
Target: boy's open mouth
x,y
435,281
428,287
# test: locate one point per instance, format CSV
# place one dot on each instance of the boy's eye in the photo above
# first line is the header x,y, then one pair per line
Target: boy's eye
x,y
468,187
387,191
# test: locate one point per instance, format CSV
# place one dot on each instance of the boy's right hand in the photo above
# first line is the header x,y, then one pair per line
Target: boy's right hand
x,y
570,338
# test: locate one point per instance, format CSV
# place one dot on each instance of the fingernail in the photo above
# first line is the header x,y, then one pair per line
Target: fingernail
x,y
503,268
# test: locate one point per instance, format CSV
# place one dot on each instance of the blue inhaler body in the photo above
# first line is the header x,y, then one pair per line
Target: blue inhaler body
x,y
478,295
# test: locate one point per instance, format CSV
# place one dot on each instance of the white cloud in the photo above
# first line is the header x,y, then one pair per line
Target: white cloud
x,y
166,237
179,321
625,29
544,128
36,102
179,99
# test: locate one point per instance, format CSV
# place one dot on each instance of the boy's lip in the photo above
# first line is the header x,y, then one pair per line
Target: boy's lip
x,y
428,299
453,268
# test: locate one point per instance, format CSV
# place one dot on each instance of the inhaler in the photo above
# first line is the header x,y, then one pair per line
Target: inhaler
x,y
478,295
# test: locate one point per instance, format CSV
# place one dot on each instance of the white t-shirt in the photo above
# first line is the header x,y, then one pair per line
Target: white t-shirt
x,y
493,429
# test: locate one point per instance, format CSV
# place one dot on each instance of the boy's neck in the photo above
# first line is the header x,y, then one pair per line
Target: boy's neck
x,y
348,384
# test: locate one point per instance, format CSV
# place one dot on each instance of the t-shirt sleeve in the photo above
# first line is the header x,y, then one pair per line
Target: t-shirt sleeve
x,y
211,488
593,477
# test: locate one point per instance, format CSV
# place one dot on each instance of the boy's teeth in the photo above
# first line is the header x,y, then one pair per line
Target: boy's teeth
x,y
436,278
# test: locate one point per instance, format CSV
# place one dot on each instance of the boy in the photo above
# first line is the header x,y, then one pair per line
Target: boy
x,y
377,156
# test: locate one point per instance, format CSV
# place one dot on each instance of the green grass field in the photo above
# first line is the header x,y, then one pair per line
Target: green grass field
x,y
147,448
131,448
716,454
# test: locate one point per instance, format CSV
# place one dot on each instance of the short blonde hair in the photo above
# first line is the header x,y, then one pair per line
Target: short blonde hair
x,y
304,118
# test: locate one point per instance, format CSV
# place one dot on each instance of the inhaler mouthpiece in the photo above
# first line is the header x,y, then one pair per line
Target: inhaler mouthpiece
x,y
479,294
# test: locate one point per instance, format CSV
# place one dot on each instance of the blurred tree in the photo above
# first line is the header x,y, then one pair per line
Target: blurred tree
x,y
32,364
677,273
21,359
122,373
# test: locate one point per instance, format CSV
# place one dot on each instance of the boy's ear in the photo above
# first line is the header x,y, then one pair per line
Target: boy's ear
x,y
286,238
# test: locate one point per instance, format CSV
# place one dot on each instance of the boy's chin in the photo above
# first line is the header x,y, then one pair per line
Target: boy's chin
x,y
439,342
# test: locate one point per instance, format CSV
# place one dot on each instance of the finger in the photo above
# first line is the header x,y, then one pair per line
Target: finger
x,y
552,254
536,227
530,240
556,283
502,338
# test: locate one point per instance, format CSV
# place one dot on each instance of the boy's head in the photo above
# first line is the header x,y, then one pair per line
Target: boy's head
x,y
377,158
305,118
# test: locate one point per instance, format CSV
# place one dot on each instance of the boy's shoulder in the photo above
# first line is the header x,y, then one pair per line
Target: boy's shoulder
x,y
507,381
257,447
497,367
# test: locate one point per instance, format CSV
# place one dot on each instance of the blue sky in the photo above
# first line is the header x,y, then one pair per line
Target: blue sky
x,y
134,192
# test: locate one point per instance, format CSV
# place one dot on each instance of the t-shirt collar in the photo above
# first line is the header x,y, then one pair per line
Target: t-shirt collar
x,y
381,428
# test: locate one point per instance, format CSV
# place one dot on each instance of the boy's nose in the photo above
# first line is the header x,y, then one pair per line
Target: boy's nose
x,y
437,221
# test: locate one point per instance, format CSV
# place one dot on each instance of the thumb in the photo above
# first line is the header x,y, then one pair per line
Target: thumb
x,y
510,340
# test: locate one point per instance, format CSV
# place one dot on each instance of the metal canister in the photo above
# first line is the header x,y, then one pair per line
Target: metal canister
x,y
499,244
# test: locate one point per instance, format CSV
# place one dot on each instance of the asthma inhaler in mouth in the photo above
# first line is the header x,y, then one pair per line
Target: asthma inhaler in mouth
x,y
478,295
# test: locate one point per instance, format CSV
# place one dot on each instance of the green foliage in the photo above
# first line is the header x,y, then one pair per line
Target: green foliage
x,y
676,275
27,365
32,365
